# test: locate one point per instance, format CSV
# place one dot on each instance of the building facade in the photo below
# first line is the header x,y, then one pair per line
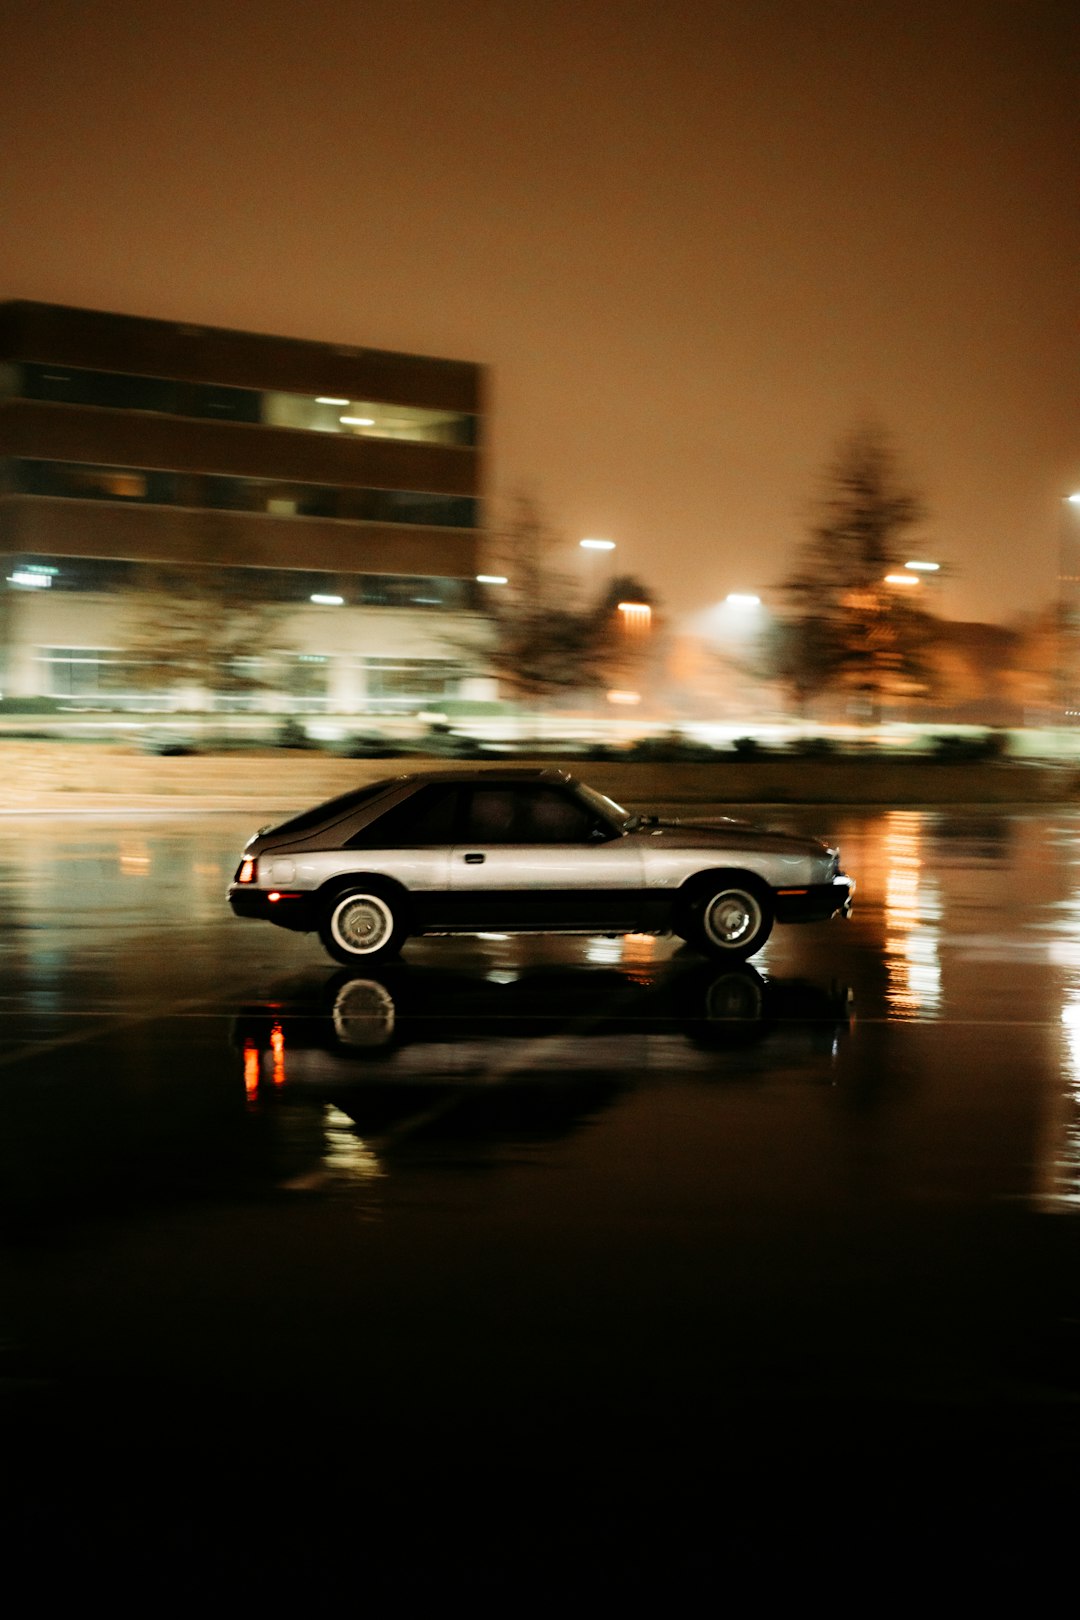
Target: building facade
x,y
331,497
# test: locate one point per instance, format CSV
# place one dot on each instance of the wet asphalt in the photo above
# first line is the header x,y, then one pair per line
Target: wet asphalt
x,y
542,1267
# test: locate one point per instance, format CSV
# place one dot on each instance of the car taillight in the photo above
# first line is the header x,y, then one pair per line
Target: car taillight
x,y
246,874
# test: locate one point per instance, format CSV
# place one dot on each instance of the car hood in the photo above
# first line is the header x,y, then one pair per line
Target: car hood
x,y
724,832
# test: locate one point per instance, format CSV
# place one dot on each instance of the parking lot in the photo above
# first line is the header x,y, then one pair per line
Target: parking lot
x,y
576,1256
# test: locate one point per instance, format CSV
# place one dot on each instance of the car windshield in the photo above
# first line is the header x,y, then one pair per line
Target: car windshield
x,y
606,807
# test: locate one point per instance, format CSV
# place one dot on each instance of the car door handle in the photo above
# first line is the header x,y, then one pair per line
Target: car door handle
x,y
474,859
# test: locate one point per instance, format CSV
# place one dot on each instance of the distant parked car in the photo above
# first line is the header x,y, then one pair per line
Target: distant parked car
x,y
528,850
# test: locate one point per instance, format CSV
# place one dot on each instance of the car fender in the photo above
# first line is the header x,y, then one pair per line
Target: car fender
x,y
710,878
377,882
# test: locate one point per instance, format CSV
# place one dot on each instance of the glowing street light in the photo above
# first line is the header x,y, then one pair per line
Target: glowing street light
x,y
597,545
923,567
492,579
637,616
903,579
742,601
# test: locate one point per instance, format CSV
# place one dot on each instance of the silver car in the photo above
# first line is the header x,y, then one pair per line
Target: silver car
x,y
526,851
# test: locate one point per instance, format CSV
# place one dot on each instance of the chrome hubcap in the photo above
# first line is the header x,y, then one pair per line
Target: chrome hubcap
x,y
363,1014
362,923
732,996
732,918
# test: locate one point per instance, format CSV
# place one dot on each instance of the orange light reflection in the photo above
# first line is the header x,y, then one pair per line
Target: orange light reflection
x,y
911,916
251,1070
277,1047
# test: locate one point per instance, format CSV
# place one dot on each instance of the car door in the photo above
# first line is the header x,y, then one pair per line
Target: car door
x,y
411,842
535,856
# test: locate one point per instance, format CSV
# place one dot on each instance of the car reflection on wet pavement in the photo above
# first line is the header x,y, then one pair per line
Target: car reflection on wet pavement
x,y
412,1053
578,1265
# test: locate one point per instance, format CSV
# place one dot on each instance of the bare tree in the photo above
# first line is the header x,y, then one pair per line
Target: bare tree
x,y
845,627
205,625
537,641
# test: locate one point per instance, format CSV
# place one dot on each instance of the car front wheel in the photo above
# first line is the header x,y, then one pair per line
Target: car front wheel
x,y
732,921
363,925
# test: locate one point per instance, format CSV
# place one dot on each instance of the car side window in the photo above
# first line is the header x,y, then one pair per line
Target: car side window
x,y
528,815
426,817
552,817
491,816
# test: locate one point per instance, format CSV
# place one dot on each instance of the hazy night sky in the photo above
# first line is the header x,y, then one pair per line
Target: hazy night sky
x,y
695,242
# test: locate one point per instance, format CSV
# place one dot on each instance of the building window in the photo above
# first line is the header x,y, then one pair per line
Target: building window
x,y
220,492
119,391
412,591
409,683
221,404
88,672
304,679
311,413
107,575
76,480
414,506
368,419
85,574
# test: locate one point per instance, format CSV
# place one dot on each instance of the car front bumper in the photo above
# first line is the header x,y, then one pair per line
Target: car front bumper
x,y
816,903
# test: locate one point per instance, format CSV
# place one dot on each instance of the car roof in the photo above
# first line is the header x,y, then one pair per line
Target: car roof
x,y
492,773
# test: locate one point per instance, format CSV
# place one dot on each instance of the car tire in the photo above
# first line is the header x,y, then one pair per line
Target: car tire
x,y
362,925
363,1015
725,1008
730,920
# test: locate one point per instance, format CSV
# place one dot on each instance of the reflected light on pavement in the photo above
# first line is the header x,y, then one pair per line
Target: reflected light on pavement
x,y
1063,1159
626,950
346,1155
912,914
638,950
277,1047
251,1071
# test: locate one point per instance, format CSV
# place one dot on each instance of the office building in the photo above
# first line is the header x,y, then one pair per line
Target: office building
x,y
340,489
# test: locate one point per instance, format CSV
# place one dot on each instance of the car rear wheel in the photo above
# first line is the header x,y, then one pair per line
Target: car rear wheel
x,y
731,920
362,925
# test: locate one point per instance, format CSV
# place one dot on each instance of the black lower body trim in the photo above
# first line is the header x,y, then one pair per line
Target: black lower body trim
x,y
817,903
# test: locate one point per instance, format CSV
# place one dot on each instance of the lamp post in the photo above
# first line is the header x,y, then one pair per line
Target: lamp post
x,y
1068,598
592,547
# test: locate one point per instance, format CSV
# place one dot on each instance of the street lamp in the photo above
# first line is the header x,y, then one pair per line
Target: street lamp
x,y
1068,580
637,616
592,572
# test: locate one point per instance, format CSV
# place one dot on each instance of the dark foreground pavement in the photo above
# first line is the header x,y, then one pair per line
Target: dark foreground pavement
x,y
551,1271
